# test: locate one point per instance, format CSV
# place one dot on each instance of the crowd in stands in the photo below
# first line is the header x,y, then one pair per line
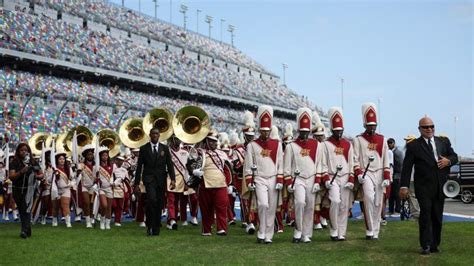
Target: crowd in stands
x,y
81,100
42,35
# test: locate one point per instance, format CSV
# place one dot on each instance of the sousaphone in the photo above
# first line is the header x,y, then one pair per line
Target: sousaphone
x,y
132,134
36,142
161,119
84,137
109,139
191,124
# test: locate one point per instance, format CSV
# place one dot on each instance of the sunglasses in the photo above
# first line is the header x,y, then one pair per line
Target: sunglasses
x,y
426,127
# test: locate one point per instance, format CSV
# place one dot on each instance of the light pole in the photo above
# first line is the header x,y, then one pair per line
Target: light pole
x,y
123,3
455,133
231,29
140,6
183,10
197,19
222,23
209,21
342,94
285,66
156,8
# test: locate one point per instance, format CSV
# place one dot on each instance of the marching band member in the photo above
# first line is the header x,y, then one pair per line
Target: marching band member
x,y
226,148
106,181
286,207
46,186
339,179
267,180
87,182
247,212
64,178
213,190
319,133
370,150
138,199
120,175
304,164
176,200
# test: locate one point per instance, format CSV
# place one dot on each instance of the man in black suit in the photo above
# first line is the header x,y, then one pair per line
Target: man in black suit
x,y
431,157
154,165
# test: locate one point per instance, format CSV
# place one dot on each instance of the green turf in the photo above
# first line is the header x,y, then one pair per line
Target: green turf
x,y
398,244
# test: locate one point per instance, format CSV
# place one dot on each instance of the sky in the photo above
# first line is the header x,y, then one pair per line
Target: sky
x,y
411,58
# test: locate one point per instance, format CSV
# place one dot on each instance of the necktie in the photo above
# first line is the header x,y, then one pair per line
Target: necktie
x,y
430,148
154,150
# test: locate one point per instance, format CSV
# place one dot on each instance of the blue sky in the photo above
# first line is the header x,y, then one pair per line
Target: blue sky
x,y
414,57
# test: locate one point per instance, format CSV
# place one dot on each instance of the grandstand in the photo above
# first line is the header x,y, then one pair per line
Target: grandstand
x,y
67,63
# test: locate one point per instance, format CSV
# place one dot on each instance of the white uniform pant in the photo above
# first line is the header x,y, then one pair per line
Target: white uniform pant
x,y
373,198
304,207
266,200
340,204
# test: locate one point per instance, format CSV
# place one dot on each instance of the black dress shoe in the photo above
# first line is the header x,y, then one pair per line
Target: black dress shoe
x,y
296,240
28,233
369,237
260,240
334,238
425,251
434,250
23,235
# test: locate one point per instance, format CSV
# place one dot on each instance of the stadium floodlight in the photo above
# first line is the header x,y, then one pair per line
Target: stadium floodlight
x,y
285,66
183,10
197,19
156,8
222,22
231,29
209,21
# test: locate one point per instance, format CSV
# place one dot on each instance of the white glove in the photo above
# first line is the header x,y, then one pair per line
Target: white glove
x,y
349,185
385,183
328,184
198,172
73,184
230,189
290,189
361,180
134,198
95,187
316,188
279,186
117,182
251,187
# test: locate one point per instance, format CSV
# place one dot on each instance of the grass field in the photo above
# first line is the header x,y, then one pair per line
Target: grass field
x,y
129,245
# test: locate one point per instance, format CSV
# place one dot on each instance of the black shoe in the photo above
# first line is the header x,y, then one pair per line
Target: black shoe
x,y
175,226
28,233
334,238
260,240
434,250
425,251
369,237
296,240
221,233
23,235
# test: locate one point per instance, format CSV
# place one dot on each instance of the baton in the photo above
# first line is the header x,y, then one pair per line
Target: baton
x,y
297,173
371,159
338,168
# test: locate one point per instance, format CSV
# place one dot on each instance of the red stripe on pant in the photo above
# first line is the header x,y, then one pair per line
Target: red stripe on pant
x,y
172,204
118,209
213,200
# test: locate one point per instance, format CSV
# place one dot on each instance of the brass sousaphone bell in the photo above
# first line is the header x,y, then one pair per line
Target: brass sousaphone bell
x,y
36,142
161,119
132,134
191,124
61,144
109,139
84,137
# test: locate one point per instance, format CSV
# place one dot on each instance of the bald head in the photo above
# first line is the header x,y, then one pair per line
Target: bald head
x,y
426,127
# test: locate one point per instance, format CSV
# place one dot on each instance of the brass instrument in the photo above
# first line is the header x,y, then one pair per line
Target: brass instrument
x,y
132,134
61,144
36,142
110,139
191,124
161,119
84,137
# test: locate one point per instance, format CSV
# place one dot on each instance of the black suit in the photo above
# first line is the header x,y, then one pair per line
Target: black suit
x,y
154,169
429,181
